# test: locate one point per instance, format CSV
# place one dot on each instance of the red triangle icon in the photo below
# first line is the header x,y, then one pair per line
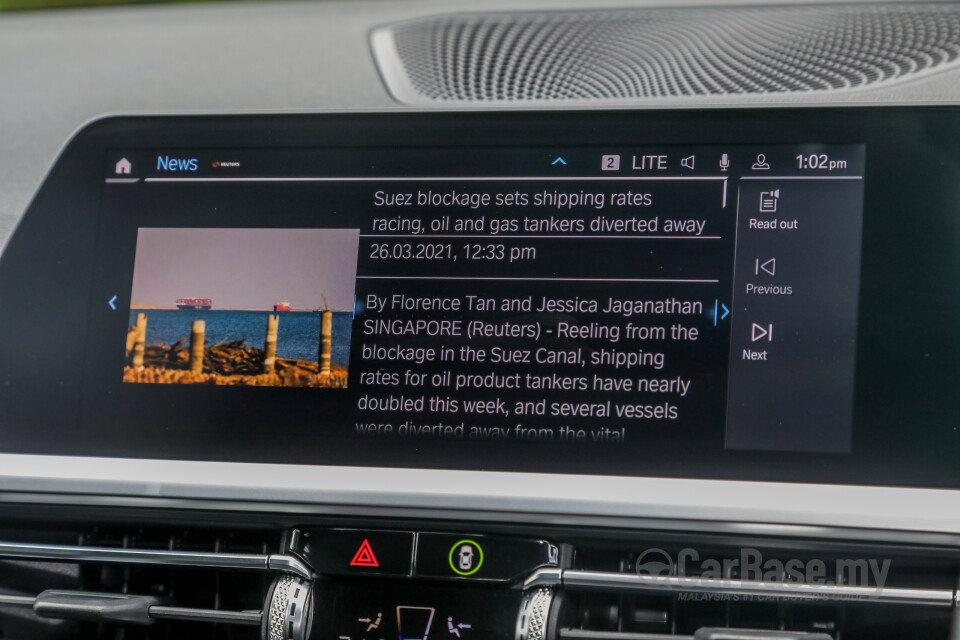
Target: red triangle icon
x,y
364,556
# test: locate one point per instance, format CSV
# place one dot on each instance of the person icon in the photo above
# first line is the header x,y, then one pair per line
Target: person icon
x,y
761,163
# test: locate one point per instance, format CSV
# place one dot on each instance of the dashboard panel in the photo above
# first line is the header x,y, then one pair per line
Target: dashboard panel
x,y
645,341
702,294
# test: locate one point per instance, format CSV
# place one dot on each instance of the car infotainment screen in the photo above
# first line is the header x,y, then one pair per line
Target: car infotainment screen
x,y
588,297
634,305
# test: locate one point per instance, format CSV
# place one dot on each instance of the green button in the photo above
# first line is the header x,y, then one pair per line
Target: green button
x,y
466,556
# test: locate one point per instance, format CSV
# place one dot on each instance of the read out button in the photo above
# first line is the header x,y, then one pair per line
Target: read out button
x,y
476,557
358,551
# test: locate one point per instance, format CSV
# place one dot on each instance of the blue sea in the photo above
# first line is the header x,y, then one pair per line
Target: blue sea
x,y
298,336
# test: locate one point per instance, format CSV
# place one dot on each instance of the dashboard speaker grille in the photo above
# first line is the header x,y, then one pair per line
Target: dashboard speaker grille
x,y
658,53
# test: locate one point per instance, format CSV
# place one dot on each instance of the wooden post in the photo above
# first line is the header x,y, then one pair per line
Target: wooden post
x,y
131,340
140,340
326,341
270,344
196,345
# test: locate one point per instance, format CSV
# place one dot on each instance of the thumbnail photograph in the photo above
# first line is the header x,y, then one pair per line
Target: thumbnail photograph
x,y
252,307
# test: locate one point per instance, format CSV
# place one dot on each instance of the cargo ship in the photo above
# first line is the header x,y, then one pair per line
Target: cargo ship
x,y
282,306
194,304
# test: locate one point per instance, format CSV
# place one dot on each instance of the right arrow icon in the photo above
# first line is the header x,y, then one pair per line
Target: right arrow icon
x,y
720,312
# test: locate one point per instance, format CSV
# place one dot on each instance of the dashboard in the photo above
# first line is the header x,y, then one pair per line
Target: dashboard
x,y
499,347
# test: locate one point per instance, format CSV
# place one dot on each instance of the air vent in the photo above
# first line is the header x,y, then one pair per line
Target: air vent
x,y
697,591
636,54
146,583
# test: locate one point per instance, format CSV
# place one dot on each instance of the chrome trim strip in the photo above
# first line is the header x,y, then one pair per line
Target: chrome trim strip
x,y
543,578
251,618
157,612
571,579
581,634
766,508
289,564
16,601
151,557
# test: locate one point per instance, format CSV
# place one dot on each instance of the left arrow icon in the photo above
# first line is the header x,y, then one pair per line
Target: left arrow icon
x,y
113,303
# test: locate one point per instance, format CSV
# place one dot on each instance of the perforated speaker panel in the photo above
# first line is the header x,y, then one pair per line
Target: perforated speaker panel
x,y
658,53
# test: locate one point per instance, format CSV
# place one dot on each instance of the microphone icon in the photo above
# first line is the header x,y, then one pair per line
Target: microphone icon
x,y
724,162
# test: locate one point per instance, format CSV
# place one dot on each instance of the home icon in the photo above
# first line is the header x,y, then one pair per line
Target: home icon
x,y
123,166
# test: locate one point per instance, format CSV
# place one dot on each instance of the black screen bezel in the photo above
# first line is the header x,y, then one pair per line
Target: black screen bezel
x,y
911,154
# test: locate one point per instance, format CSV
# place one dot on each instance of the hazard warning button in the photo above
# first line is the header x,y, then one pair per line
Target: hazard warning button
x,y
364,556
359,551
